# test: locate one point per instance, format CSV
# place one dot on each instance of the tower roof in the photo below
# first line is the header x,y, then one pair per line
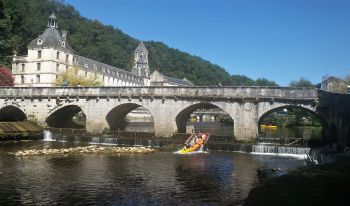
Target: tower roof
x,y
51,38
141,47
52,16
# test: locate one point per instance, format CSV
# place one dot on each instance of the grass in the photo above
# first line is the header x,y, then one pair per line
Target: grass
x,y
327,184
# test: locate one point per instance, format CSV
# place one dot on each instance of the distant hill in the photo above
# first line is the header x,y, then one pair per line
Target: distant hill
x,y
22,20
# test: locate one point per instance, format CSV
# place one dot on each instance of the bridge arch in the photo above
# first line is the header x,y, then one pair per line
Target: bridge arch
x,y
281,107
12,113
117,117
308,109
63,117
183,115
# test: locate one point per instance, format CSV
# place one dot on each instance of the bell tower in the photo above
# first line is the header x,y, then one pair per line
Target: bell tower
x,y
140,67
52,22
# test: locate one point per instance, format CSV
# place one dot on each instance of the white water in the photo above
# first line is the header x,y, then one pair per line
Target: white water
x,y
110,141
48,136
300,152
95,140
104,141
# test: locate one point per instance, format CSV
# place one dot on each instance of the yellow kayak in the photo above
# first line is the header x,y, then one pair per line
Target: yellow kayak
x,y
195,147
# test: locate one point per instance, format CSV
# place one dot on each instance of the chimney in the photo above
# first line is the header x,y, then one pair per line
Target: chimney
x,y
64,35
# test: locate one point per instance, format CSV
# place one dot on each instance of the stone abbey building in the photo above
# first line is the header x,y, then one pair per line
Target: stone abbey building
x,y
50,54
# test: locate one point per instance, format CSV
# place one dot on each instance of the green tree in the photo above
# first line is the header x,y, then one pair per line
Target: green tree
x,y
72,77
302,82
264,82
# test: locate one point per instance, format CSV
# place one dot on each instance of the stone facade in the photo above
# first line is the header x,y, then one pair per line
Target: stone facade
x,y
50,54
332,84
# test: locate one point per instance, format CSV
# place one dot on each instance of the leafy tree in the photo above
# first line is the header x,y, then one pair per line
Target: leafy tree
x,y
6,78
302,82
265,82
72,78
241,80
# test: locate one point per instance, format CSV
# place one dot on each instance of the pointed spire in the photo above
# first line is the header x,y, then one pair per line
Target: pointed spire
x,y
141,46
52,22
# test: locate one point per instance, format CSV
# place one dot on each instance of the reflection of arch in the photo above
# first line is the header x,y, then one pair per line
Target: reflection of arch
x,y
63,117
12,114
116,117
263,116
184,115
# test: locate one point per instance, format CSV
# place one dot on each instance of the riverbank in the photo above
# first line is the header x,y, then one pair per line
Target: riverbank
x,y
327,184
93,149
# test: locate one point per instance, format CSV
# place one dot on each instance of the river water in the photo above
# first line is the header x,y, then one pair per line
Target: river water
x,y
160,178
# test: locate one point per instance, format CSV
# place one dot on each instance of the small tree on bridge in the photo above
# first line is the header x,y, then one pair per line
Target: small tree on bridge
x,y
302,82
6,78
71,77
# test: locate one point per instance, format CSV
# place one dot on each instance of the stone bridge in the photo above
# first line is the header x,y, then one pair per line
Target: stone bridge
x,y
170,107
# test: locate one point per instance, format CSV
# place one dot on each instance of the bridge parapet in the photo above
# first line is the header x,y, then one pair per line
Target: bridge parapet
x,y
180,92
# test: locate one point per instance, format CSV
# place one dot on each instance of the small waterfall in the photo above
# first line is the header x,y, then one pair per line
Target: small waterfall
x,y
95,140
48,136
149,143
138,142
282,150
110,141
62,139
76,140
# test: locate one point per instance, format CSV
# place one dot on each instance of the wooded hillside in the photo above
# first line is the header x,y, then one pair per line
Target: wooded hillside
x,y
23,20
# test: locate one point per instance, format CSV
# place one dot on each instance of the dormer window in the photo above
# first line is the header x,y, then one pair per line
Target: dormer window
x,y
63,44
86,65
39,42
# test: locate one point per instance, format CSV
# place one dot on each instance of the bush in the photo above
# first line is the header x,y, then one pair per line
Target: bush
x,y
72,78
6,78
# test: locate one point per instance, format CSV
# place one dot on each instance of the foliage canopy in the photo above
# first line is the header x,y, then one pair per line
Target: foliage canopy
x,y
73,78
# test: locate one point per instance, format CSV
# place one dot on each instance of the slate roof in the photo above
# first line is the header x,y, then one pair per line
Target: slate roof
x,y
332,78
50,38
181,82
172,80
105,69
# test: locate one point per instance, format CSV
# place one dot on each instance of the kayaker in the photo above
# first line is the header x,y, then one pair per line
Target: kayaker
x,y
199,134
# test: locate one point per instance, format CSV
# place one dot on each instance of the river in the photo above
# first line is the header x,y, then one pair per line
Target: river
x,y
160,178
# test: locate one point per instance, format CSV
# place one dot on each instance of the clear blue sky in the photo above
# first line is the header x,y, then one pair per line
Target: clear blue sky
x,y
281,40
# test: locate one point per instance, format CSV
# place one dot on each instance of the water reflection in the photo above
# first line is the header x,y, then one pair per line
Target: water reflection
x,y
162,178
295,132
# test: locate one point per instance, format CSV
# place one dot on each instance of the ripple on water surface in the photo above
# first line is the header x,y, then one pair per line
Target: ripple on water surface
x,y
161,178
